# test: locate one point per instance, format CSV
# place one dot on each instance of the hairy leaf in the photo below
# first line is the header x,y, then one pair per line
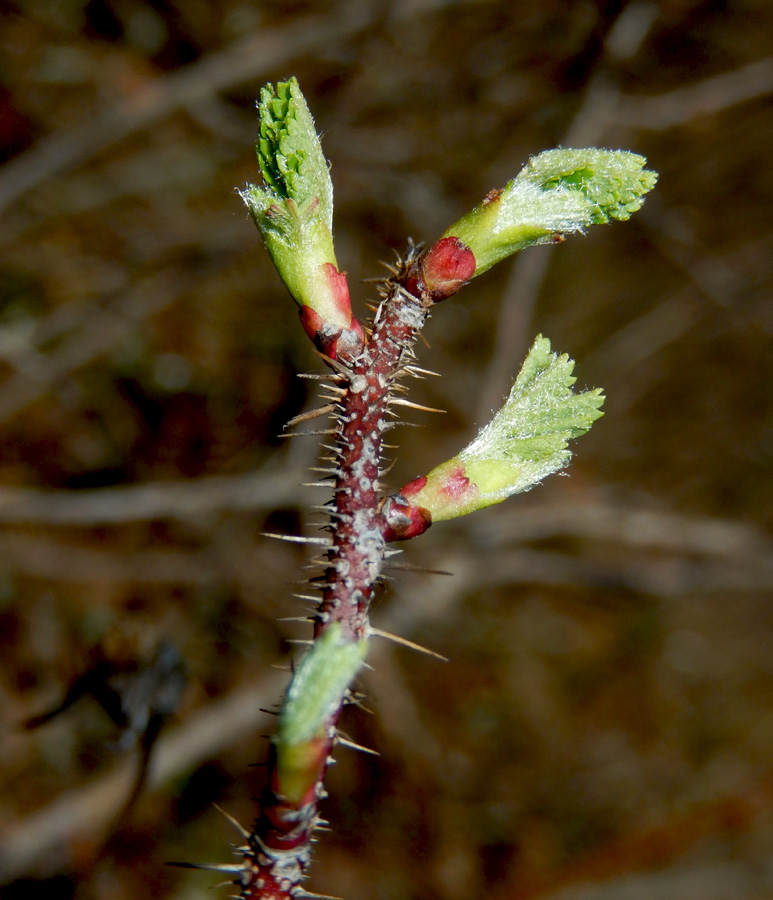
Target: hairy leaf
x,y
524,442
289,151
319,686
558,192
528,438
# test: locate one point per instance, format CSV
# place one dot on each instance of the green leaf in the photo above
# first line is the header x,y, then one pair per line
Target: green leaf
x,y
319,686
294,207
612,182
557,193
290,154
528,438
524,442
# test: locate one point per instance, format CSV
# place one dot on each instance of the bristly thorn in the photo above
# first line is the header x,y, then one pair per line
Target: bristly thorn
x,y
406,643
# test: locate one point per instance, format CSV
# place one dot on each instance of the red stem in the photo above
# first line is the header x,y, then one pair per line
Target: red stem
x,y
278,849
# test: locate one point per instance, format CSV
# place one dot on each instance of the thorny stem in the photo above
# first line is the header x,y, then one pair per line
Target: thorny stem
x,y
278,849
559,192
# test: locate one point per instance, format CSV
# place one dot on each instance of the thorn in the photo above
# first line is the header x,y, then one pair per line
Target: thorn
x,y
313,414
334,364
398,401
414,370
231,868
317,561
408,567
383,472
324,376
345,742
268,712
309,644
329,511
298,618
323,484
235,822
281,669
305,895
406,643
297,539
356,701
399,424
291,434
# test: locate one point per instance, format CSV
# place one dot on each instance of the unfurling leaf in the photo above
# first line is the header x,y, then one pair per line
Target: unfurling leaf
x,y
317,691
289,152
525,441
294,212
558,192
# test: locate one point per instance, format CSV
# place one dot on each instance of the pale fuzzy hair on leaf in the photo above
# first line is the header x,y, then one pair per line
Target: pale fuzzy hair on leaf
x,y
558,192
319,686
289,151
527,439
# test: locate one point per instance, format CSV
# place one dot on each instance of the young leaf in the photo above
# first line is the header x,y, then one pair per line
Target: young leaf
x,y
294,212
319,685
558,192
315,693
289,152
525,441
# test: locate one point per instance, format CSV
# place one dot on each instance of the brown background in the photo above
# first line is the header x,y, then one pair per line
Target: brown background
x,y
605,724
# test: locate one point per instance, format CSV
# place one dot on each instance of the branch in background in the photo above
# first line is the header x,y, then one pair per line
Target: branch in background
x,y
94,337
598,110
178,500
245,60
703,98
191,88
736,556
42,843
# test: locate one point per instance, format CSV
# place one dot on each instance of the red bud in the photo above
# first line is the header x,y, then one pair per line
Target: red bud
x,y
403,521
446,267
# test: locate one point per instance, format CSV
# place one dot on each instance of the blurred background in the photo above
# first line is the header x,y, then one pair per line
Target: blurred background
x,y
604,728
